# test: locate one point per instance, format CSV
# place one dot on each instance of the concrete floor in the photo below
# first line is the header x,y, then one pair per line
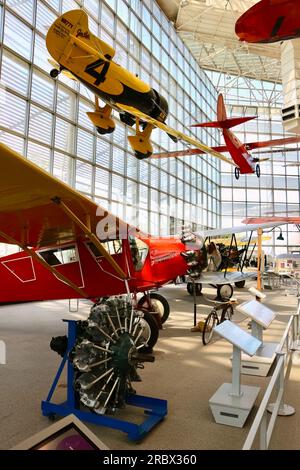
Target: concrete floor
x,y
185,373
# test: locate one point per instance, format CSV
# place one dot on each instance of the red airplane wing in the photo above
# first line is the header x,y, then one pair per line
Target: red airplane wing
x,y
185,152
272,143
226,123
265,220
269,21
38,210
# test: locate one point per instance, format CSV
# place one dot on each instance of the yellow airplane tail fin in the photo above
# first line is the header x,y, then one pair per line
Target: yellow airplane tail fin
x,y
73,24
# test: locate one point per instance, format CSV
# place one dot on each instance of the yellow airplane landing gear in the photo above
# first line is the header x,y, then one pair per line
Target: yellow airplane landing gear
x,y
101,119
140,143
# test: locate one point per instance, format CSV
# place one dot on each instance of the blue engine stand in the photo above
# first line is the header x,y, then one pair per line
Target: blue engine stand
x,y
154,408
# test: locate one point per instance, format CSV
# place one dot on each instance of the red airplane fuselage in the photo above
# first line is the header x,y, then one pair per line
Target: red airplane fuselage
x,y
269,21
148,262
239,153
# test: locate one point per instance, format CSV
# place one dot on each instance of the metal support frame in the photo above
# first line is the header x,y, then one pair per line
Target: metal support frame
x,y
155,409
261,423
86,230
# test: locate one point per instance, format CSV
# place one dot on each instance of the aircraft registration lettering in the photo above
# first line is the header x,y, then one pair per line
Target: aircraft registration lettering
x,y
61,31
67,23
161,258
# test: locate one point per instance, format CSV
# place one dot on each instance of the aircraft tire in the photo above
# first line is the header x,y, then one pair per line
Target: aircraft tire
x,y
257,170
151,330
224,291
54,73
240,284
103,131
237,172
198,288
163,309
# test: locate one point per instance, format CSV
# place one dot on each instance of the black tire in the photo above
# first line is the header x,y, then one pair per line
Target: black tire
x,y
198,288
151,330
102,131
210,322
163,310
54,73
257,170
227,315
224,291
237,172
240,284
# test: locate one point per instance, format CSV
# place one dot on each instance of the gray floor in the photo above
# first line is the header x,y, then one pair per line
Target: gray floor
x,y
185,373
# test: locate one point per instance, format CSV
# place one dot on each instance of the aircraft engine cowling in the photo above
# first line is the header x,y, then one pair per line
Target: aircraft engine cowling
x,y
160,109
195,255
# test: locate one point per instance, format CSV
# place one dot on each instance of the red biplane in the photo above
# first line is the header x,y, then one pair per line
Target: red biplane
x,y
269,21
72,248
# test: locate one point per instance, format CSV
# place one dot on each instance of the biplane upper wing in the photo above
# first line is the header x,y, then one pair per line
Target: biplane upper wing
x,y
251,225
35,207
169,130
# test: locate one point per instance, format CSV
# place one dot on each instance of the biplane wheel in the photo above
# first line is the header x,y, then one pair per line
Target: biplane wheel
x,y
150,330
225,291
54,73
103,131
257,170
240,284
158,304
141,156
198,288
237,172
127,119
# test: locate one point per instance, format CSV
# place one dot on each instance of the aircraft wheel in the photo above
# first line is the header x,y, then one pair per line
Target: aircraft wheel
x,y
141,156
240,284
198,288
150,330
225,291
103,131
257,170
158,304
54,73
237,172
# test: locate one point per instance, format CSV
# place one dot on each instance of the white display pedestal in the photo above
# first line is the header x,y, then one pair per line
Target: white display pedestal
x,y
261,317
232,403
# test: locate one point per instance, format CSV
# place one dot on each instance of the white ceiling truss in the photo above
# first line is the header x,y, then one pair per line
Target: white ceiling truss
x,y
207,28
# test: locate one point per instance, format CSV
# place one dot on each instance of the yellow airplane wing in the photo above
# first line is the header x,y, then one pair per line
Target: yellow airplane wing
x,y
30,214
169,130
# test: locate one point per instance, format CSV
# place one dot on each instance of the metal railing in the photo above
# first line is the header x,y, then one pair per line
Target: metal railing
x,y
261,423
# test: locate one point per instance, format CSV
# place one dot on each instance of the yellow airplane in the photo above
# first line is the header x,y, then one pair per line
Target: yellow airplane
x,y
78,52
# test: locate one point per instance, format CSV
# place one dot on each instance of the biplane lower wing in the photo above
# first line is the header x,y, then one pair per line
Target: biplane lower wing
x,y
220,278
169,130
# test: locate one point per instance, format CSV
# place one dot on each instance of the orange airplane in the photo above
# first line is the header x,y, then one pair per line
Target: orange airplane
x,y
239,152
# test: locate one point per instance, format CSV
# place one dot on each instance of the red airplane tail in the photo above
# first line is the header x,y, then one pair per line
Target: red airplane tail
x,y
223,122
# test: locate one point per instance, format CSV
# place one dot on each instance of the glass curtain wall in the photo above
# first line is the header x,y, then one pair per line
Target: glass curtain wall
x,y
276,192
46,120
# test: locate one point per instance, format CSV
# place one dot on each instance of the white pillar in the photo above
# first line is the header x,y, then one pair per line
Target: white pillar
x,y
290,70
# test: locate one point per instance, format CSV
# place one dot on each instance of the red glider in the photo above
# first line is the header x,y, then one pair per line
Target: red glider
x,y
270,21
245,162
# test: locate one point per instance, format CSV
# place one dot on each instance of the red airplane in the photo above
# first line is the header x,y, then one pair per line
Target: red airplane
x,y
245,162
73,248
270,21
